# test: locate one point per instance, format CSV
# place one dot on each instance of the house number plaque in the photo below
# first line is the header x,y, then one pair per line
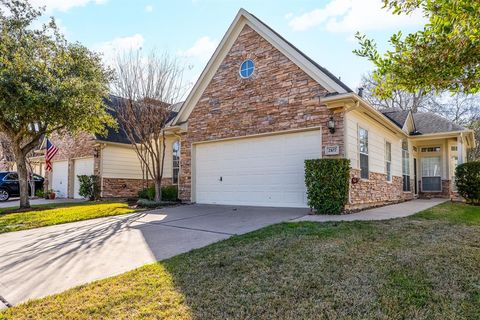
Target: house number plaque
x,y
332,150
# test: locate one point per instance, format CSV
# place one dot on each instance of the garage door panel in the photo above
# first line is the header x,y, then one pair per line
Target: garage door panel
x,y
60,178
265,171
81,167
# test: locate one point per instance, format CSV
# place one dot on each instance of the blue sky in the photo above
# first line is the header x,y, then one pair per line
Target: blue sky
x,y
191,29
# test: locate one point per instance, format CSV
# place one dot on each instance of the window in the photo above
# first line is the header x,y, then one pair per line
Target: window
x,y
454,148
388,160
246,68
430,149
11,177
363,150
176,161
431,176
405,166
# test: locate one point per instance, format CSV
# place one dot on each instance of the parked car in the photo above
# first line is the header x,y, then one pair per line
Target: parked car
x,y
9,186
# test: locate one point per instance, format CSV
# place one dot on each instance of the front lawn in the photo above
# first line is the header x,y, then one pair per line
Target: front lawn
x,y
46,215
422,267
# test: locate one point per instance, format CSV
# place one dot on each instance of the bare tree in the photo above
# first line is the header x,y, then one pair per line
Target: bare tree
x,y
399,99
149,86
460,108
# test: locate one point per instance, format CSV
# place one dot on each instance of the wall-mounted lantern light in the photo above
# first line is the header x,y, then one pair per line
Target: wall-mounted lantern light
x,y
331,125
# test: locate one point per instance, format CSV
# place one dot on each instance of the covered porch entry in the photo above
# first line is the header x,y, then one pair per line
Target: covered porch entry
x,y
435,157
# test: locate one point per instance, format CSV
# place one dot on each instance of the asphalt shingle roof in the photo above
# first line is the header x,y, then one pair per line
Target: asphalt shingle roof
x,y
428,122
397,116
119,135
425,122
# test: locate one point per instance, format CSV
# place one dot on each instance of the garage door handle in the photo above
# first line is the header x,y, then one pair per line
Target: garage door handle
x,y
221,179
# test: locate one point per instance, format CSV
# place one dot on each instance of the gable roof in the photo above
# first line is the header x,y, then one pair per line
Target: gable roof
x,y
113,135
428,122
119,135
395,115
319,67
325,78
424,122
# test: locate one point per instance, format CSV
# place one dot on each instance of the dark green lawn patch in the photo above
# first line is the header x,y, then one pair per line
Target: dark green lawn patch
x,y
412,268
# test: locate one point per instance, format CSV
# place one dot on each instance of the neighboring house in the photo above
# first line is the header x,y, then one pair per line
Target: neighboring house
x,y
111,157
261,107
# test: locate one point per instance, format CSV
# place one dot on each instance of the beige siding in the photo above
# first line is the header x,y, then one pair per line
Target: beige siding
x,y
377,136
122,161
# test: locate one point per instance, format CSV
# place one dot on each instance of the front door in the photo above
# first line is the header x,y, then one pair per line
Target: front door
x,y
415,174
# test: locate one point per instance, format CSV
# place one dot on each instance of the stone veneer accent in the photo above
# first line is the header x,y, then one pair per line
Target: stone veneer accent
x,y
124,188
446,192
376,191
278,97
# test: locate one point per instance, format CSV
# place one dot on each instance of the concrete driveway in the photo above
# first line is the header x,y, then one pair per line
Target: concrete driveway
x,y
39,262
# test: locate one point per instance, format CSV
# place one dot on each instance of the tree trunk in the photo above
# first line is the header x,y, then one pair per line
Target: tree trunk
x,y
22,172
158,190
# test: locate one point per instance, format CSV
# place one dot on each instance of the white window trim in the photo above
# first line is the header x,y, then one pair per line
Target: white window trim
x,y
439,176
359,152
173,166
385,155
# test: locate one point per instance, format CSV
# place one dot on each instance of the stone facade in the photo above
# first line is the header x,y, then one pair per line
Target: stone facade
x,y
125,188
278,97
376,191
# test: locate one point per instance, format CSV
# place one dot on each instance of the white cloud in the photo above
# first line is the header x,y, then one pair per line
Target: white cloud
x,y
354,15
202,49
111,49
63,5
149,8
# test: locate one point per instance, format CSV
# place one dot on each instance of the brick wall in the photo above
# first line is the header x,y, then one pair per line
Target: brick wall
x,y
278,97
376,191
70,147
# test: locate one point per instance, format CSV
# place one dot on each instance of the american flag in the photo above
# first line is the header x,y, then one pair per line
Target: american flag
x,y
51,152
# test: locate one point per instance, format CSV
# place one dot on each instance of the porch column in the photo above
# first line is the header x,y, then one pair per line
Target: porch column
x,y
460,149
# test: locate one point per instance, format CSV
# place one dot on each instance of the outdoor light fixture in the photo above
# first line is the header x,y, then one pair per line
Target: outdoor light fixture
x,y
331,125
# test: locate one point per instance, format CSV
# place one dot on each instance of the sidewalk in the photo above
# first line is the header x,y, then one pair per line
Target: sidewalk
x,y
398,210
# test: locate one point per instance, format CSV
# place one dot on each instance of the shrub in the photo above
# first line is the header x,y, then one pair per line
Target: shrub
x,y
40,193
169,193
147,193
89,187
468,181
327,182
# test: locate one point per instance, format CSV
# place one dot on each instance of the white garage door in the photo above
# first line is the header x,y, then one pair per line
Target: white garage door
x,y
60,178
81,167
261,171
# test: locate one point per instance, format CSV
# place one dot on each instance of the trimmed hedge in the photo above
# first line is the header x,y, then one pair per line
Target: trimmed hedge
x,y
467,177
327,182
169,193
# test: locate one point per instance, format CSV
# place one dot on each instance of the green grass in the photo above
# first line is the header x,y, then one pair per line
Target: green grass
x,y
422,267
51,214
453,212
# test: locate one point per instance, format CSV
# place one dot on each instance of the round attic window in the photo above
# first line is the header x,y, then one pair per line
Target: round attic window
x,y
246,69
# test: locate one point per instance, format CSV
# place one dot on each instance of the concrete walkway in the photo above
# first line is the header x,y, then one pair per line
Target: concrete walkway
x,y
399,210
